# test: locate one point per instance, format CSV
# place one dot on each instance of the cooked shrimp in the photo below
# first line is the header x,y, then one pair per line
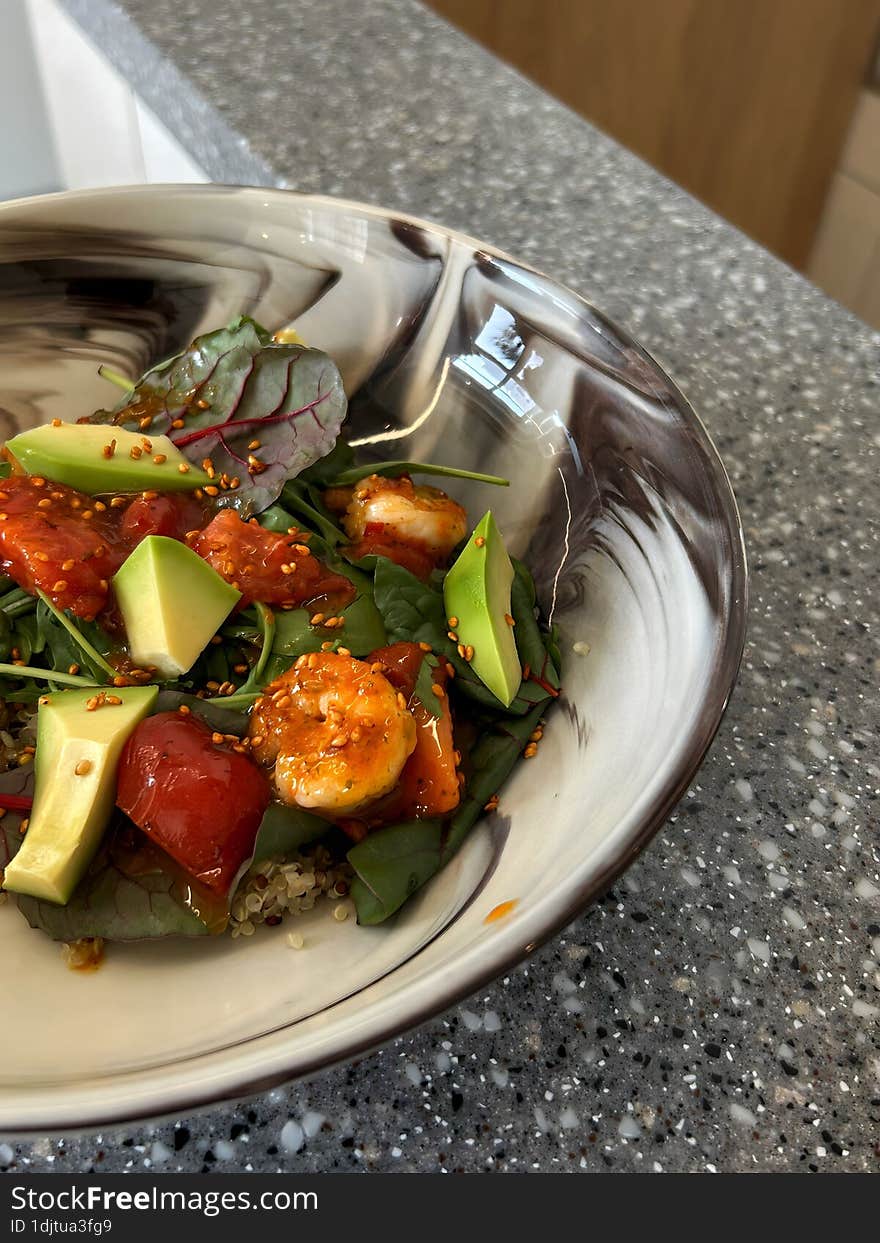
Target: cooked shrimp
x,y
336,730
395,509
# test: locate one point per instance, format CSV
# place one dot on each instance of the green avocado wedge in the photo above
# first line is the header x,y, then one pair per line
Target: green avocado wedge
x,y
172,603
476,595
78,750
98,459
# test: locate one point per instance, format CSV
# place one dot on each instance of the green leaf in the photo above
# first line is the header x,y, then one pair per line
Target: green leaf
x,y
531,643
424,683
305,502
214,712
323,472
414,611
284,831
130,892
236,385
392,863
392,470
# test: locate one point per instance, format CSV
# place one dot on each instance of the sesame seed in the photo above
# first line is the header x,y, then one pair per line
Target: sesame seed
x,y
255,444
184,710
45,503
88,514
83,768
149,496
451,622
479,541
202,404
41,556
531,749
159,458
437,689
117,502
343,651
38,481
316,619
74,669
211,490
215,737
287,569
339,741
462,651
198,494
112,701
300,548
100,506
183,468
401,702
468,653
145,422
426,647
452,636
61,585
177,424
536,736
135,452
56,422
509,619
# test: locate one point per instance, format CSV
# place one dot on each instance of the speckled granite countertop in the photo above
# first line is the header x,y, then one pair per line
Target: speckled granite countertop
x,y
721,1009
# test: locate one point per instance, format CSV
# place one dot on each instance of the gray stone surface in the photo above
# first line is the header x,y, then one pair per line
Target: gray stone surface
x,y
721,1009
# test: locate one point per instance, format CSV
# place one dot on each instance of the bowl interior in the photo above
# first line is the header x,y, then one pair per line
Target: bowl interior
x,y
451,353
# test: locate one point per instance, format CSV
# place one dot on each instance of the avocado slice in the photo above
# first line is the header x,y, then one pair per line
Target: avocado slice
x,y
78,751
96,458
476,594
171,602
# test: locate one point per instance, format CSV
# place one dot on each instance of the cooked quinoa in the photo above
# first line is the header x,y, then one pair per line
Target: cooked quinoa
x,y
275,888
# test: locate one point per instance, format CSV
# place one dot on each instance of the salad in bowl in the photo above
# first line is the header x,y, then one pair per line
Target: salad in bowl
x,y
240,672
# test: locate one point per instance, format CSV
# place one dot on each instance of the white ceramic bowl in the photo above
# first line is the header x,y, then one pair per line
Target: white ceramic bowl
x,y
450,351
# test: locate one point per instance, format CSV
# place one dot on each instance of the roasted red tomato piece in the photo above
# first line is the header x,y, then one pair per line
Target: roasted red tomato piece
x,y
429,783
266,565
198,799
58,540
171,514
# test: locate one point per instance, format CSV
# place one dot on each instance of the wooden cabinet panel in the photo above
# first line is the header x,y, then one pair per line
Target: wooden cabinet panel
x,y
746,103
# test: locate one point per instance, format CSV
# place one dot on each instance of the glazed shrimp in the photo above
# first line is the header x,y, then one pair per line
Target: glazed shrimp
x,y
336,730
424,517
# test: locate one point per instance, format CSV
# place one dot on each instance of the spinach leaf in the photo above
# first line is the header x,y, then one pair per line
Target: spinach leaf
x,y
424,683
414,611
234,386
130,892
327,469
392,863
284,830
392,470
305,501
213,712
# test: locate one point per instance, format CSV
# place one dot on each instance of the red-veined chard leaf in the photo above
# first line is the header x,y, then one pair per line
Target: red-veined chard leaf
x,y
236,386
